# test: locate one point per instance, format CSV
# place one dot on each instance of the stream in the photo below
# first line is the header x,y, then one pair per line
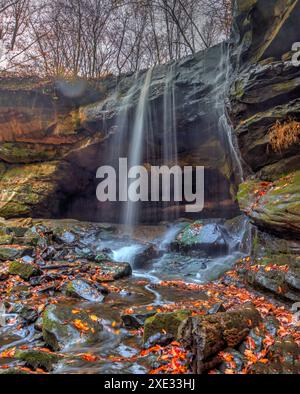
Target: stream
x,y
138,291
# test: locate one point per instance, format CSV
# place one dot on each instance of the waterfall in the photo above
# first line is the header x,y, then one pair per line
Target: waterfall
x,y
135,154
224,124
169,149
170,154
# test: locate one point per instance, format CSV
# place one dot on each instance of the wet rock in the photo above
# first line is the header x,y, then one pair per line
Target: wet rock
x,y
237,358
283,358
113,270
12,252
29,314
272,281
61,327
85,253
13,371
37,359
163,323
102,257
149,253
137,318
84,290
219,307
33,237
293,278
24,270
65,237
274,205
37,188
159,339
6,238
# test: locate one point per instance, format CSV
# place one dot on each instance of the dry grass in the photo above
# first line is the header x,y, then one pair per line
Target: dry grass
x,y
284,134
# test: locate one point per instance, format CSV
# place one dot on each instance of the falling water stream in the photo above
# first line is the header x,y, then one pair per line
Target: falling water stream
x,y
135,154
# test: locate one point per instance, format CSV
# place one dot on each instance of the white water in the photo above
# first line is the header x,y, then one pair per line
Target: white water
x,y
225,126
170,151
169,236
127,253
136,150
170,148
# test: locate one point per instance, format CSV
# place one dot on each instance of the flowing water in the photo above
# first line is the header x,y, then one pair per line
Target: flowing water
x,y
135,154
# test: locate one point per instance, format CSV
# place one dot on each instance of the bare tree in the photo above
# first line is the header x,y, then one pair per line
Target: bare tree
x,y
91,38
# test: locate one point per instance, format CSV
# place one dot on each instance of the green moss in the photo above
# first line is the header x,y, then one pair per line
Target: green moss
x,y
12,252
278,259
190,235
24,270
164,322
277,207
17,152
37,359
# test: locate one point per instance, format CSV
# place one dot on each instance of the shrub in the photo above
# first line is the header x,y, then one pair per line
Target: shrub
x,y
284,134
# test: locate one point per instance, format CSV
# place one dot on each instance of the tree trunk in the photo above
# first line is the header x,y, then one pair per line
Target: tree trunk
x,y
206,336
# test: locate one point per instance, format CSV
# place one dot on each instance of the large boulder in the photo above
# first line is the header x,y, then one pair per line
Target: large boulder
x,y
25,270
208,239
163,323
37,359
273,205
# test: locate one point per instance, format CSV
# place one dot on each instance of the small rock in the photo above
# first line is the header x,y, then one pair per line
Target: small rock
x,y
24,270
138,318
66,238
29,314
164,323
82,289
12,252
149,253
219,307
37,359
293,278
159,339
113,271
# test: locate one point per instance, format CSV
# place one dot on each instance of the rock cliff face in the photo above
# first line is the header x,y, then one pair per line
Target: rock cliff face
x,y
55,134
266,89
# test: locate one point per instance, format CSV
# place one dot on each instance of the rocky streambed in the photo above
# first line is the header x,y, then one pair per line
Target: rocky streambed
x,y
89,298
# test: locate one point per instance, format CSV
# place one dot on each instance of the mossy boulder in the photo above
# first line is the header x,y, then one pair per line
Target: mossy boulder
x,y
62,327
164,323
273,205
137,318
273,282
110,270
207,238
12,252
24,270
38,359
